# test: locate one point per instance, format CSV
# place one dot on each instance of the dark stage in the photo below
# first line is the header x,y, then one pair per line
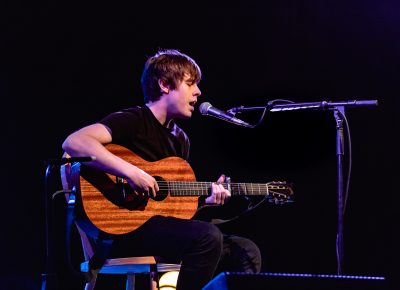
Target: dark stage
x,y
65,65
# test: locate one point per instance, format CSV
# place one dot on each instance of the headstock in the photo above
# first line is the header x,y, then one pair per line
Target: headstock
x,y
279,192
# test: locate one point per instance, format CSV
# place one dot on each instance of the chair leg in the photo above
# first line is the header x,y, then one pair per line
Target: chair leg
x,y
153,280
130,281
90,285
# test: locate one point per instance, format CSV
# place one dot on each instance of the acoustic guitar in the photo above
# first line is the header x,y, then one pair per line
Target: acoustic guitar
x,y
107,203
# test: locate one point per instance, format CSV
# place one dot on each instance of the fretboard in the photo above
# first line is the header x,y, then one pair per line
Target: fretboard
x,y
181,188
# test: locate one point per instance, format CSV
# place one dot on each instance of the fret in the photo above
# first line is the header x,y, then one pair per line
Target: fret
x,y
248,189
235,189
244,187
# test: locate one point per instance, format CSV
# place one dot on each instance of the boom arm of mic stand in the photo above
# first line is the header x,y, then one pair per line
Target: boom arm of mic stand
x,y
301,106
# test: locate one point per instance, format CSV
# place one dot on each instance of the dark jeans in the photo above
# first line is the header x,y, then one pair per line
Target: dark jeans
x,y
201,247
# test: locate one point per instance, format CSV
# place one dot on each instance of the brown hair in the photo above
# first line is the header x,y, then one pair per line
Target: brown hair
x,y
169,66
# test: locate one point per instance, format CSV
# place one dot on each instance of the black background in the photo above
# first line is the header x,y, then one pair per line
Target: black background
x,y
65,65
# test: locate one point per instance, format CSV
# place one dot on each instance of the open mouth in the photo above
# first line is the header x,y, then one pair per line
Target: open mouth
x,y
192,105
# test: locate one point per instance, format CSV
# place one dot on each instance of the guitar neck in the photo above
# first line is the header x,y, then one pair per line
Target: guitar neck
x,y
179,188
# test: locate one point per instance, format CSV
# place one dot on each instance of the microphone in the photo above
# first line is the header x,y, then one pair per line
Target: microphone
x,y
207,109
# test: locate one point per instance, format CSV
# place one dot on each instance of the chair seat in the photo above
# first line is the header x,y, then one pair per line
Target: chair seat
x,y
132,265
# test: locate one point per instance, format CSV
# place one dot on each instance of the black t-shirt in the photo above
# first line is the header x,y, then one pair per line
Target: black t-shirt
x,y
138,129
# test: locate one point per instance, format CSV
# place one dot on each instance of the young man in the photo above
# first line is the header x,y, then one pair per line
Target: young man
x,y
170,86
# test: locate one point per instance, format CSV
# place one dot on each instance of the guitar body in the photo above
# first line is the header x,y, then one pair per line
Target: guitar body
x,y
102,203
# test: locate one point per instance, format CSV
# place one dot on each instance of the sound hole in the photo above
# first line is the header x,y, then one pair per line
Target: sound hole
x,y
127,197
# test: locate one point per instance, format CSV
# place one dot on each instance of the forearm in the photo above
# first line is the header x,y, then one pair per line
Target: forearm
x,y
85,145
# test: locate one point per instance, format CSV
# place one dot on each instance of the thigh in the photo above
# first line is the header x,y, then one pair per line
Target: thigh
x,y
161,236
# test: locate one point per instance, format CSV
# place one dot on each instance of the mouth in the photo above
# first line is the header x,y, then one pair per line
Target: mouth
x,y
192,104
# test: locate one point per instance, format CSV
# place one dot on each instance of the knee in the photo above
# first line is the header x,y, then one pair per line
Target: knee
x,y
247,255
253,257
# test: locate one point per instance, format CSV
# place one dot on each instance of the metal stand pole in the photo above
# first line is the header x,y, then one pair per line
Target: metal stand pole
x,y
339,114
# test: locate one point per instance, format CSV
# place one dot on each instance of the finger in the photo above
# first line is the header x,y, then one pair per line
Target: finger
x,y
210,200
153,191
222,194
156,187
215,193
150,192
221,179
218,198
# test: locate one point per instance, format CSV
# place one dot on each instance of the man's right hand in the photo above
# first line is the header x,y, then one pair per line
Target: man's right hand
x,y
142,182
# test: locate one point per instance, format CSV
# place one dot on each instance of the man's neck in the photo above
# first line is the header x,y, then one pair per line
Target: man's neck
x,y
159,111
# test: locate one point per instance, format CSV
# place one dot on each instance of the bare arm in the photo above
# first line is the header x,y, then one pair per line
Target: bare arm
x,y
90,140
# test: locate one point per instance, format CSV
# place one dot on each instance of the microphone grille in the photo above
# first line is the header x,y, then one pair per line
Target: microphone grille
x,y
203,108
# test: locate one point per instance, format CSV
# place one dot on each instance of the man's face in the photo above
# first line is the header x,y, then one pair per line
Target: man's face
x,y
181,101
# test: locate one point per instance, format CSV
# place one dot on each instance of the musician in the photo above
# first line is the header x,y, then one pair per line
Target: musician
x,y
170,86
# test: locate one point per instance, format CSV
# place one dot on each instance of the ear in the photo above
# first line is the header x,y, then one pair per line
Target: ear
x,y
163,86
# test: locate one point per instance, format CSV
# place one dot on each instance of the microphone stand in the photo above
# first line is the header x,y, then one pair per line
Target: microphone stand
x,y
339,114
49,277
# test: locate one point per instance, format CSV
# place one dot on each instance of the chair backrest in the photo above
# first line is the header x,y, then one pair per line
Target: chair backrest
x,y
87,247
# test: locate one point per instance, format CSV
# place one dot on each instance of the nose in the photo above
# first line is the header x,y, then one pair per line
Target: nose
x,y
197,91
